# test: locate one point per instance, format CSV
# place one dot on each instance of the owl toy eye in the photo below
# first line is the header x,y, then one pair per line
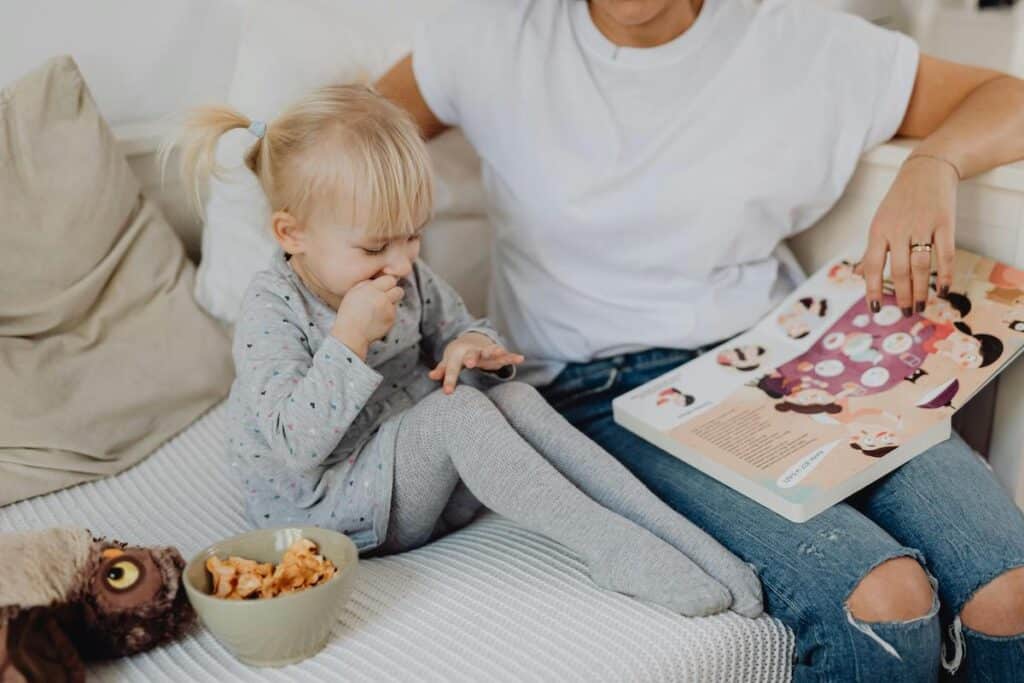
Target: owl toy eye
x,y
122,575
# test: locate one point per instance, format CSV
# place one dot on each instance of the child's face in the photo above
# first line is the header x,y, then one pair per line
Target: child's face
x,y
341,258
332,257
962,349
940,310
811,397
797,329
793,323
742,357
841,273
870,438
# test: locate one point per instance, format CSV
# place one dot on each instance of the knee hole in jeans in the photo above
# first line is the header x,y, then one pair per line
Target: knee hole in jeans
x,y
896,590
997,608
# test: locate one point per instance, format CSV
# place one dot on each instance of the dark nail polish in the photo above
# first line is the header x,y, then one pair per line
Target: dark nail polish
x,y
944,291
907,311
919,307
875,306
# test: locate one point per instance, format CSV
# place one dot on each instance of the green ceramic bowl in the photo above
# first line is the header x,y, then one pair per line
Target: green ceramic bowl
x,y
284,629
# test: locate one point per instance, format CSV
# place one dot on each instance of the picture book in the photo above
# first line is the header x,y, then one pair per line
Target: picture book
x,y
824,395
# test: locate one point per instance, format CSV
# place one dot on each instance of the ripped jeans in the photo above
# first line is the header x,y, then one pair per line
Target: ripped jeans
x,y
944,508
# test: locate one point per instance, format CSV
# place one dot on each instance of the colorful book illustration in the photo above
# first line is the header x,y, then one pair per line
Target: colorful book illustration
x,y
824,396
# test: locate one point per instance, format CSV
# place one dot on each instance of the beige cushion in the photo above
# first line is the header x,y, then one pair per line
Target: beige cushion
x,y
103,352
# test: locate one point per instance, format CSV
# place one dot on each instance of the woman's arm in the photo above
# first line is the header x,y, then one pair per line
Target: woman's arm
x,y
399,86
971,116
971,120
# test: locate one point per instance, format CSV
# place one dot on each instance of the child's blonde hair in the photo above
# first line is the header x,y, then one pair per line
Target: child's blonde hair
x,y
343,139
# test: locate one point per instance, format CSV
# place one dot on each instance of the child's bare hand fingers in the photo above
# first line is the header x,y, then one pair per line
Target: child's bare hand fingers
x,y
471,358
438,372
384,282
451,371
395,294
499,362
508,358
495,351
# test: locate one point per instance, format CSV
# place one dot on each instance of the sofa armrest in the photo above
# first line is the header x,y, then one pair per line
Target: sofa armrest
x,y
1006,454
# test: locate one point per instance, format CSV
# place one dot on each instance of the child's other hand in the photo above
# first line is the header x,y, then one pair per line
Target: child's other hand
x,y
367,312
471,350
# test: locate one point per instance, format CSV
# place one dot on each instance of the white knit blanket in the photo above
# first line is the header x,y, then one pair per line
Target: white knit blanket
x,y
491,602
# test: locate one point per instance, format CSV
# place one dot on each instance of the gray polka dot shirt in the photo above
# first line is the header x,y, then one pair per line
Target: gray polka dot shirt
x,y
307,414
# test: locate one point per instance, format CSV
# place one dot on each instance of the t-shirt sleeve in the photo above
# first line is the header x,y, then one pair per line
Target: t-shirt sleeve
x,y
897,75
872,71
447,55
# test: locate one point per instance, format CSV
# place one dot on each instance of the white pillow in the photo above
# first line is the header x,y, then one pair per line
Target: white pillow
x,y
288,48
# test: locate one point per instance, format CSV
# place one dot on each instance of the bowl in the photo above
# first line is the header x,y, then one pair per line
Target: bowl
x,y
284,629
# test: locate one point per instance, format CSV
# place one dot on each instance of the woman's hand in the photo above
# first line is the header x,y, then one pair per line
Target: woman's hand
x,y
471,350
920,208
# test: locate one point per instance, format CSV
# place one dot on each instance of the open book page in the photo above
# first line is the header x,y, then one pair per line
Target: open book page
x,y
823,388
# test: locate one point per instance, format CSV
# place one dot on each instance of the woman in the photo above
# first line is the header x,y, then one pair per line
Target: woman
x,y
644,159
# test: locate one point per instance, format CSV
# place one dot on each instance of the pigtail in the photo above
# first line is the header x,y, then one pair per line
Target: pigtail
x,y
257,160
344,139
198,144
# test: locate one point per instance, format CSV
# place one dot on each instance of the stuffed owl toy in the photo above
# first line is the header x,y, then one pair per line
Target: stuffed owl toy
x,y
66,597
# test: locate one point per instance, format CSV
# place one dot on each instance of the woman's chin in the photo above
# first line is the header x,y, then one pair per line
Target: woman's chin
x,y
633,13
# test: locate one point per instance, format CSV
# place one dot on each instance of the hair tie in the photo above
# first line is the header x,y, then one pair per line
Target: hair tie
x,y
258,128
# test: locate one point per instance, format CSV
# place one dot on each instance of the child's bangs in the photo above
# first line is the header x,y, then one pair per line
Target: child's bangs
x,y
383,180
392,176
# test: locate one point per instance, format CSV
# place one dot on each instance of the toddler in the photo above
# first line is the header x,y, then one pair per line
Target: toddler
x,y
347,411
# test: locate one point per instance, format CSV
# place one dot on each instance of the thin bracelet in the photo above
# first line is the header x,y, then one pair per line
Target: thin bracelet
x,y
932,156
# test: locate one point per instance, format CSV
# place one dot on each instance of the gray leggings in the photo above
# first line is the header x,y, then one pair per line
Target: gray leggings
x,y
520,458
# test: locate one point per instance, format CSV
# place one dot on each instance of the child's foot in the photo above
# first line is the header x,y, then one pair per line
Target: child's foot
x,y
641,565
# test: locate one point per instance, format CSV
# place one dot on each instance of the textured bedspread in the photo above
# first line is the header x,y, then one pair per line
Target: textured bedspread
x,y
491,602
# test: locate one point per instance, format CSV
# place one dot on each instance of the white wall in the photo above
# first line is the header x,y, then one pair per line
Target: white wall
x,y
187,47
958,31
124,47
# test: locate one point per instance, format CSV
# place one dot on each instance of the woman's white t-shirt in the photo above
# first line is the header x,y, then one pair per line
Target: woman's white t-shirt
x,y
639,195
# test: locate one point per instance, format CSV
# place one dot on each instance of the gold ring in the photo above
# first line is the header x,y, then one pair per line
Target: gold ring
x,y
921,246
